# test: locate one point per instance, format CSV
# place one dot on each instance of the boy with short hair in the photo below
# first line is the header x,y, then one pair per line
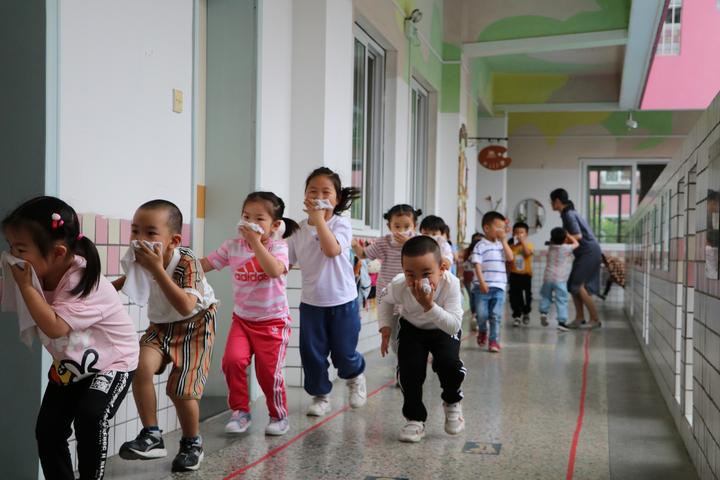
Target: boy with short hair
x,y
181,309
521,275
436,228
557,270
488,258
431,303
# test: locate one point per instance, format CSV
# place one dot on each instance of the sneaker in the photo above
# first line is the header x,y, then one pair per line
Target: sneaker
x,y
412,432
357,390
482,338
562,327
319,407
494,346
454,421
277,427
189,456
146,446
526,320
575,324
516,321
239,422
543,320
594,325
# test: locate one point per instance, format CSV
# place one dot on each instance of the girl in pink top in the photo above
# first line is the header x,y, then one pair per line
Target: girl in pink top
x,y
261,319
91,337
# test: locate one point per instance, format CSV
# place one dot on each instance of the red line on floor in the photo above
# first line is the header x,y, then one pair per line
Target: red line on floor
x,y
581,411
297,437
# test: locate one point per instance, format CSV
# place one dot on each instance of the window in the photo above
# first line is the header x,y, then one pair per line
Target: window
x,y
613,189
367,148
712,235
669,43
419,142
663,250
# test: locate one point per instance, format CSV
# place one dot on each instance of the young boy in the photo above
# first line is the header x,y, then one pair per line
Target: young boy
x,y
181,309
430,323
488,259
435,227
559,263
521,275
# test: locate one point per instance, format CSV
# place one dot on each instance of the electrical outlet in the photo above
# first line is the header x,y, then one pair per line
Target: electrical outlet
x,y
177,100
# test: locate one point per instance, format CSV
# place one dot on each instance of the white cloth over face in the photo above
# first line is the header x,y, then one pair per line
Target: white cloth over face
x,y
13,301
137,279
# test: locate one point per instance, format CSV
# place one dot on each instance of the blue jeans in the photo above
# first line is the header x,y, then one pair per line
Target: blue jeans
x,y
489,308
559,289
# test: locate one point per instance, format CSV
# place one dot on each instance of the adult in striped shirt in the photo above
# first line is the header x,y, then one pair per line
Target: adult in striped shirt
x,y
489,258
261,318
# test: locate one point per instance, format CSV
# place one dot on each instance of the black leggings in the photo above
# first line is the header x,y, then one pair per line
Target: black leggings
x,y
89,405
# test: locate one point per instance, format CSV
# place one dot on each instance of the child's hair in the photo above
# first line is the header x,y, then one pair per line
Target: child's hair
x,y
403,209
175,218
345,196
432,223
421,245
49,220
562,195
276,210
476,237
490,217
446,232
522,225
558,235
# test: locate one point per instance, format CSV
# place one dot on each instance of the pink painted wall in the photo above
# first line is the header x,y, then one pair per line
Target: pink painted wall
x,y
692,79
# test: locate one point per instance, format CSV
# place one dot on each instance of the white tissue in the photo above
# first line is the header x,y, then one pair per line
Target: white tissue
x,y
323,204
425,285
151,245
252,226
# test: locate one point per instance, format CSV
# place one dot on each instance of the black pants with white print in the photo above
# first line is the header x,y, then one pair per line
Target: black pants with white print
x,y
414,345
89,405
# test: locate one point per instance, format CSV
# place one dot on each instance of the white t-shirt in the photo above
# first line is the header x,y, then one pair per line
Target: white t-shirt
x,y
326,281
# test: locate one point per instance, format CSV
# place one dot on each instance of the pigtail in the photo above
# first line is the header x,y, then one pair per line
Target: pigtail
x,y
345,199
417,213
93,268
291,227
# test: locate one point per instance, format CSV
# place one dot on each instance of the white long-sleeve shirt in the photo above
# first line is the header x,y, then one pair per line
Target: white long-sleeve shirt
x,y
446,313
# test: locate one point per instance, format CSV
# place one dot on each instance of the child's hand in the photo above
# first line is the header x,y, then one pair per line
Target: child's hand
x,y
400,238
150,259
250,235
314,215
22,275
385,332
484,288
424,299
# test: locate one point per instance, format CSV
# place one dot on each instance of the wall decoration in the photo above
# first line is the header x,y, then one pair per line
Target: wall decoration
x,y
532,212
462,186
494,157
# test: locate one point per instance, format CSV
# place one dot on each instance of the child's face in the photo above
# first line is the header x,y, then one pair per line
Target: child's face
x,y
152,225
23,246
494,230
257,212
432,233
519,233
423,266
322,188
401,224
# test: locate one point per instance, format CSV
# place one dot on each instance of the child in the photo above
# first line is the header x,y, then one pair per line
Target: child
x,y
181,309
616,273
86,329
329,311
435,227
467,272
261,317
430,324
521,275
557,270
453,248
488,259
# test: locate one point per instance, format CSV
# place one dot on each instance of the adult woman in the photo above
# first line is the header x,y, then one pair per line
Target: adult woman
x,y
585,275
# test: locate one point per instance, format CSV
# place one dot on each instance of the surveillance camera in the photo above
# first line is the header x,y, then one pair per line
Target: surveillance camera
x,y
415,16
630,123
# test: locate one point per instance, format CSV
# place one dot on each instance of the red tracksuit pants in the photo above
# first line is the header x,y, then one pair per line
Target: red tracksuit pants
x,y
268,341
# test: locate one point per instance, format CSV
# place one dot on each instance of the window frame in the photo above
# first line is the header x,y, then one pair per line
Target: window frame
x,y
672,21
374,90
419,145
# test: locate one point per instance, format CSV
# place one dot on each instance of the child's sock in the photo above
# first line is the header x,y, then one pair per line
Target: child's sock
x,y
154,431
195,440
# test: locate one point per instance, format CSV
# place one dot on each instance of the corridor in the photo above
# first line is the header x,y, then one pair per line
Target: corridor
x,y
521,409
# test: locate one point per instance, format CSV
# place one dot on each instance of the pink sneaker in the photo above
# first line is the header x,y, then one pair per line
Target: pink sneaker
x,y
494,347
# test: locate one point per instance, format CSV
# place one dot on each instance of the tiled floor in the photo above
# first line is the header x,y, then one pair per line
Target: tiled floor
x,y
521,409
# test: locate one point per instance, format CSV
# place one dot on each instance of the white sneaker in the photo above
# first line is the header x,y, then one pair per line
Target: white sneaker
x,y
454,421
320,406
543,320
277,427
358,391
412,432
239,423
516,321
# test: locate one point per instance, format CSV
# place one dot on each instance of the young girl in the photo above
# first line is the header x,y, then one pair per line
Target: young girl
x,y
261,317
328,310
87,331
